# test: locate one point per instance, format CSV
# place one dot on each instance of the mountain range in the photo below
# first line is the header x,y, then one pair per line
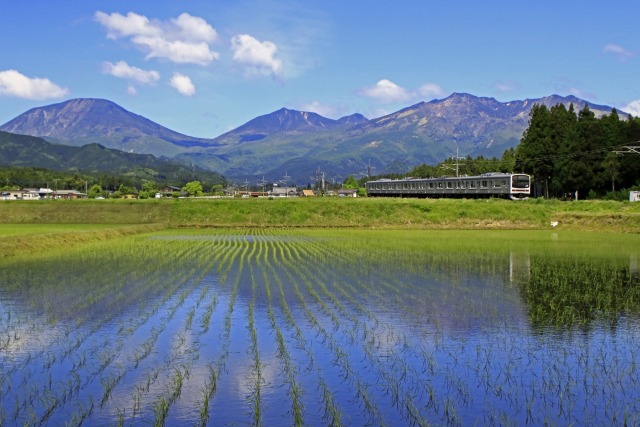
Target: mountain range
x,y
299,144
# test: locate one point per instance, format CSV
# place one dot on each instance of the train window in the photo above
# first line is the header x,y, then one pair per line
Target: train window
x,y
449,184
484,184
504,182
439,185
472,184
496,183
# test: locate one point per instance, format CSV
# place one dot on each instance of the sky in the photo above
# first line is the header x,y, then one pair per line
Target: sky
x,y
204,67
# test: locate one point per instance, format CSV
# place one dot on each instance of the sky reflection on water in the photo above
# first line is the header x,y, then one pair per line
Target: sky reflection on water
x,y
368,335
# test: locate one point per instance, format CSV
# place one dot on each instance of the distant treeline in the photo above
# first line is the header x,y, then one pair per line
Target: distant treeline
x,y
565,153
30,177
568,152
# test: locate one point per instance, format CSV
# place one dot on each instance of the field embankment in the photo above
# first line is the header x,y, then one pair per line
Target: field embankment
x,y
118,217
16,239
331,212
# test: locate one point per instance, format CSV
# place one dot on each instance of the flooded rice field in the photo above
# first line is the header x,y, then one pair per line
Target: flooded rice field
x,y
266,327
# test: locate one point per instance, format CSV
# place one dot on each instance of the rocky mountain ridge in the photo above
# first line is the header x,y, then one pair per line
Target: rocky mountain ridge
x,y
298,143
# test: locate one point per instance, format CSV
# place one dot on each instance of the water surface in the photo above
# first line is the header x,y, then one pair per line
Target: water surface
x,y
324,327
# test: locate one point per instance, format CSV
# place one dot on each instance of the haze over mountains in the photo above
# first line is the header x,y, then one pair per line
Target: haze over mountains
x,y
301,144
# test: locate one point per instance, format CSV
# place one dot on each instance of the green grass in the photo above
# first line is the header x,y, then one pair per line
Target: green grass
x,y
27,226
16,239
331,212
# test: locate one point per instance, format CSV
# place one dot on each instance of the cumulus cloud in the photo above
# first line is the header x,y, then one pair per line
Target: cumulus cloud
x,y
619,52
386,92
185,39
183,84
125,71
632,108
259,56
13,83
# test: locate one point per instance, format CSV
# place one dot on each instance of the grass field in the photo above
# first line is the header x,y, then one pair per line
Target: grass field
x,y
22,223
331,212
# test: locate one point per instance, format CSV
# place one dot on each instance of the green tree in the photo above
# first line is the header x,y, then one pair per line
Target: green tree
x,y
535,154
508,161
193,188
95,191
350,182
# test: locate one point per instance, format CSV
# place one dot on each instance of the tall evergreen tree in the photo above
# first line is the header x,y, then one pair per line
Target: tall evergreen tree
x,y
535,154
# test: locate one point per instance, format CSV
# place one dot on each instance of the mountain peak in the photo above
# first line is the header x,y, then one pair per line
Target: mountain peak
x,y
85,120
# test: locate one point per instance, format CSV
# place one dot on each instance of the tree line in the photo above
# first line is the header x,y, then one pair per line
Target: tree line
x,y
568,154
97,185
571,154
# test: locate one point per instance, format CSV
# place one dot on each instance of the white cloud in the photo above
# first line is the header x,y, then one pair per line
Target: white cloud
x,y
194,28
430,90
386,92
118,25
184,39
259,55
131,90
632,108
125,71
177,51
183,84
13,83
619,52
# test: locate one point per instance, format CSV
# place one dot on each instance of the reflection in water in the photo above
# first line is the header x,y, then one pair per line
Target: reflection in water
x,y
279,328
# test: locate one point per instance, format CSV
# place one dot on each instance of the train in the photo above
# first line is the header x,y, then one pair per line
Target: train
x,y
516,186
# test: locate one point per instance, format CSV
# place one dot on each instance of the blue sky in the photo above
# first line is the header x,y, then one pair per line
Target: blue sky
x,y
205,67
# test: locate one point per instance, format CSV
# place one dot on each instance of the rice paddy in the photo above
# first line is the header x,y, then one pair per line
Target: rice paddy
x,y
324,327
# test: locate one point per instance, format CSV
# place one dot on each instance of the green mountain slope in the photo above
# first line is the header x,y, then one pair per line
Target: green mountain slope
x,y
29,151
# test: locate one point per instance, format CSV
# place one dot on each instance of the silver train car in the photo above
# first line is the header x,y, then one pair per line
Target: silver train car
x,y
494,184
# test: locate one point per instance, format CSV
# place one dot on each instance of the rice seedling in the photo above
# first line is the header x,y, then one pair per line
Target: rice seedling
x,y
376,325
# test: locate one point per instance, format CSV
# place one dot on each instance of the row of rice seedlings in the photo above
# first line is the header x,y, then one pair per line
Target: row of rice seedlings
x,y
401,400
373,412
106,360
208,391
391,383
228,256
341,357
283,353
256,395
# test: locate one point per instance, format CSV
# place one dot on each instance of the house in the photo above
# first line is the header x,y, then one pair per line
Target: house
x,y
347,192
68,194
283,192
13,195
169,190
308,193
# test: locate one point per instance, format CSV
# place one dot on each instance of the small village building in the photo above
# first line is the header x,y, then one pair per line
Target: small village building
x,y
347,192
169,190
308,193
284,192
68,194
